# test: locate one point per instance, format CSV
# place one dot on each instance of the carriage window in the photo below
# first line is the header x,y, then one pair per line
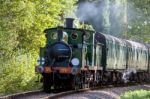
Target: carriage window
x,y
54,35
74,36
98,55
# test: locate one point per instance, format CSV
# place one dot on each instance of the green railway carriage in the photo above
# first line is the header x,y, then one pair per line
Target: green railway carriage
x,y
137,56
114,52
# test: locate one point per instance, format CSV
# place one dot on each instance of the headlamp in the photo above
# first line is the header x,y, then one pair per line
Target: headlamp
x,y
75,61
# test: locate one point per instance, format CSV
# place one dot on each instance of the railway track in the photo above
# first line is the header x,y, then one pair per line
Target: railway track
x,y
42,95
26,95
102,91
106,93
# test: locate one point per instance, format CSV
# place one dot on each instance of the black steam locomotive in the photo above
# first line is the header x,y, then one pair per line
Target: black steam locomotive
x,y
76,58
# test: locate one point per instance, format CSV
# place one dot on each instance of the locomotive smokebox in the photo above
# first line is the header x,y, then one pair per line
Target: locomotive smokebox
x,y
69,22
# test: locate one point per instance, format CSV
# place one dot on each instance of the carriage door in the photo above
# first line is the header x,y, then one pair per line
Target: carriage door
x,y
97,61
98,56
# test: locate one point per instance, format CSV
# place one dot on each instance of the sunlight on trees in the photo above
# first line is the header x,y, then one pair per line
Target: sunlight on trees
x,y
21,34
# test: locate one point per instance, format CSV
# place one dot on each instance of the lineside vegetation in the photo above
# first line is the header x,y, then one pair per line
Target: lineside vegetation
x,y
138,94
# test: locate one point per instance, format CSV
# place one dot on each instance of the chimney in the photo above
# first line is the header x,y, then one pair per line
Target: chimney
x,y
69,22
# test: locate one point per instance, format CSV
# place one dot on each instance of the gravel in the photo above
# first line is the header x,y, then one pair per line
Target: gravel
x,y
106,93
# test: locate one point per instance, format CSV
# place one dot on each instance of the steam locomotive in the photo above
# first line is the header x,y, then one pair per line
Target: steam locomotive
x,y
76,58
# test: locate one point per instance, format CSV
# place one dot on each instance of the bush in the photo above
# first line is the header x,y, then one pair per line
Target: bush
x,y
17,74
138,94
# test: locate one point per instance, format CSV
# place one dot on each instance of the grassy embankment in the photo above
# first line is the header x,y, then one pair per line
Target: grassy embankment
x,y
138,94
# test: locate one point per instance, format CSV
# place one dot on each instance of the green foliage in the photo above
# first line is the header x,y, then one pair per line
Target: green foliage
x,y
21,34
138,94
17,74
138,20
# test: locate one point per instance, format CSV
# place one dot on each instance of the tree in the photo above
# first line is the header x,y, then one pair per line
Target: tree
x,y
139,20
21,34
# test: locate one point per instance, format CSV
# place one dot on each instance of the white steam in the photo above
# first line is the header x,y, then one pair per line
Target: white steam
x,y
104,16
88,11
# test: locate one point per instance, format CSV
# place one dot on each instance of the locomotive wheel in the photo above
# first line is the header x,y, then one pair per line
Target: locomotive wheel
x,y
113,78
77,82
105,79
119,76
47,87
70,84
139,78
46,84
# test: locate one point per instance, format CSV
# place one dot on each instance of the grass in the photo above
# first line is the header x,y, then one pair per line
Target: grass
x,y
137,94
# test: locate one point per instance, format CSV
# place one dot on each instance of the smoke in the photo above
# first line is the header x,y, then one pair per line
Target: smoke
x,y
105,16
90,13
112,17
